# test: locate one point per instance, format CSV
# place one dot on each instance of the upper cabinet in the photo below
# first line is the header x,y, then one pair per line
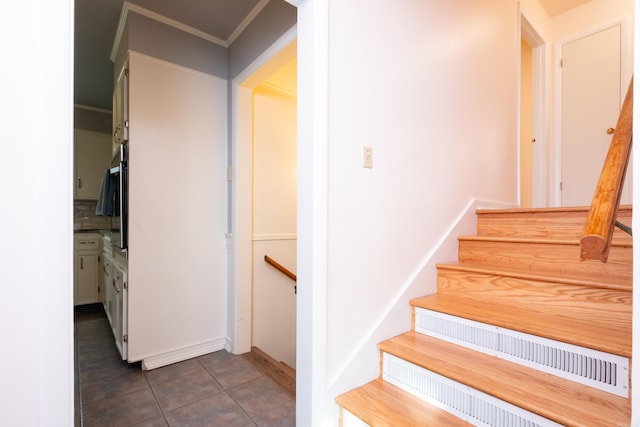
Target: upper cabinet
x,y
120,109
92,158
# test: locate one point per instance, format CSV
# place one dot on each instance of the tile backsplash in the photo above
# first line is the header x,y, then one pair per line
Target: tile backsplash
x,y
85,218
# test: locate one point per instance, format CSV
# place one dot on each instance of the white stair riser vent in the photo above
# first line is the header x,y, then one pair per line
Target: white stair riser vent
x,y
603,371
469,404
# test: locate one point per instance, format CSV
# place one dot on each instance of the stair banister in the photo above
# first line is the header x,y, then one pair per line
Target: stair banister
x,y
598,231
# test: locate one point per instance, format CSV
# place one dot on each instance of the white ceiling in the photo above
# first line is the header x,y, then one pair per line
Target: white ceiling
x,y
556,7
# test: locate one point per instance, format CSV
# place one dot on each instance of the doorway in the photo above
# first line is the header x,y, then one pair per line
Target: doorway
x,y
592,93
533,177
263,301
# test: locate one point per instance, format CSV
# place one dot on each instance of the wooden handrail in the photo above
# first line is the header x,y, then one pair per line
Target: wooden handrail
x,y
279,267
596,239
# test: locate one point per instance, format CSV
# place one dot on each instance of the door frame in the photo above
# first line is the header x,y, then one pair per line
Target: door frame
x,y
539,178
626,71
240,266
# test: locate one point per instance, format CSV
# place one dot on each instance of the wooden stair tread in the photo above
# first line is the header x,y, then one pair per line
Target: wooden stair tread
x,y
611,337
570,278
381,404
555,398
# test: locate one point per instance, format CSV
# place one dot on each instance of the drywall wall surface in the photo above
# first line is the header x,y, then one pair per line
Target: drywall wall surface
x,y
177,210
439,110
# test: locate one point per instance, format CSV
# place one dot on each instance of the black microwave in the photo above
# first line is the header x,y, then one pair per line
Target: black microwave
x,y
120,198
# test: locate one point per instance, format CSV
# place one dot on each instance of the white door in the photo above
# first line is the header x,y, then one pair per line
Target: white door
x,y
591,97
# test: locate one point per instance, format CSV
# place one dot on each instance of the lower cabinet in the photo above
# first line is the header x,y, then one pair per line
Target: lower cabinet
x,y
114,272
86,265
107,274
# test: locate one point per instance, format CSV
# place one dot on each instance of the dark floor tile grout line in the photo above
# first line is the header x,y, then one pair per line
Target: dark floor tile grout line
x,y
156,399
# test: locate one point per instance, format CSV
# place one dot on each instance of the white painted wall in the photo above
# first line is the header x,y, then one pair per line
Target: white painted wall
x,y
442,121
178,189
36,219
274,222
433,90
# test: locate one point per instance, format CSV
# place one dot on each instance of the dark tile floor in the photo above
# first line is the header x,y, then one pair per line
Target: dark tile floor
x,y
217,389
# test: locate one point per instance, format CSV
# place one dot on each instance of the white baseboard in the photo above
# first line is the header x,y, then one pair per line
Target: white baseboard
x,y
185,353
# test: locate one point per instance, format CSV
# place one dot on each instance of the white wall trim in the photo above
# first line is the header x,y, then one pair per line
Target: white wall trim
x,y
279,90
463,224
267,237
540,179
184,353
314,408
240,276
128,6
246,21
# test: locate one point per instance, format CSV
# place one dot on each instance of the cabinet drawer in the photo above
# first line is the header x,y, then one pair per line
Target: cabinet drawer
x,y
87,243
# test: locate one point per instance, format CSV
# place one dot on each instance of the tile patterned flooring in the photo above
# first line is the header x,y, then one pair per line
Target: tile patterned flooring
x,y
217,389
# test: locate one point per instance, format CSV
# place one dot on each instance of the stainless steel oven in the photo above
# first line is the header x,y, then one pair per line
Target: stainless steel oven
x,y
120,219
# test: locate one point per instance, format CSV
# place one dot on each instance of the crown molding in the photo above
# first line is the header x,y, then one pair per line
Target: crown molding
x,y
246,21
295,3
128,6
90,108
279,89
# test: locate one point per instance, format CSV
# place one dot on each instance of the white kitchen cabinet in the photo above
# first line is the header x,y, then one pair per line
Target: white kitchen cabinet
x,y
120,301
107,274
86,283
92,158
121,110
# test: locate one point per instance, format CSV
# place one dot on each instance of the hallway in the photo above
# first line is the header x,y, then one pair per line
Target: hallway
x,y
217,389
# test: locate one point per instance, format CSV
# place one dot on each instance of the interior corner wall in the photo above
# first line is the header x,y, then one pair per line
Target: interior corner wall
x,y
273,21
437,100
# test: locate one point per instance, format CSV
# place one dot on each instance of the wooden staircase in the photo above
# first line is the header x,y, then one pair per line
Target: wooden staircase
x,y
520,332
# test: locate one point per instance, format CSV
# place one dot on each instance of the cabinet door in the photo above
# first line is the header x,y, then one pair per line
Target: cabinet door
x,y
120,110
109,306
87,285
120,322
92,159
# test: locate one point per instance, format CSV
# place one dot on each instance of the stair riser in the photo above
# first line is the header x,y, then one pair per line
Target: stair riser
x,y
546,297
459,399
538,224
604,371
546,257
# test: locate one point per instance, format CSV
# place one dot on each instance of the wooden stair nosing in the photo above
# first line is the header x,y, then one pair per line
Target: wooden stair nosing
x,y
609,337
594,281
559,210
534,240
381,404
555,398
